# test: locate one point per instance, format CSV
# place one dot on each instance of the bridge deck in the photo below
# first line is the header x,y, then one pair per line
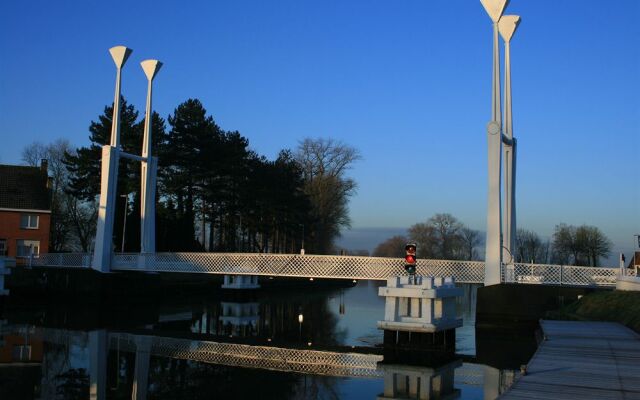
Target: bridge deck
x,y
582,360
335,267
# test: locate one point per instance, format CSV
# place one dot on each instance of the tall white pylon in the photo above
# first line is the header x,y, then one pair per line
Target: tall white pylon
x,y
149,169
109,175
493,249
120,54
507,26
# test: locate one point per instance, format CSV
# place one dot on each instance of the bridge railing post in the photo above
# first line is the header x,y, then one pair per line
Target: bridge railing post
x,y
561,274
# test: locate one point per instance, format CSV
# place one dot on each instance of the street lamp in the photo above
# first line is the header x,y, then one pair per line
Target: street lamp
x,y
124,223
300,319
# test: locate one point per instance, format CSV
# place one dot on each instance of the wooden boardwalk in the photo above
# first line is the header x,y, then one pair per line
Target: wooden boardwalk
x,y
582,360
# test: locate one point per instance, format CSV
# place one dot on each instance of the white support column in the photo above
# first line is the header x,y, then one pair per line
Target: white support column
x,y
141,372
149,168
98,364
120,54
507,27
493,249
491,385
104,230
109,174
493,253
148,210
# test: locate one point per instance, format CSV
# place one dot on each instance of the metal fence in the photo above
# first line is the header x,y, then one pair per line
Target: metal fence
x,y
337,267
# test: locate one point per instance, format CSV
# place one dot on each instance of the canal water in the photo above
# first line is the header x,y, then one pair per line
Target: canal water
x,y
295,342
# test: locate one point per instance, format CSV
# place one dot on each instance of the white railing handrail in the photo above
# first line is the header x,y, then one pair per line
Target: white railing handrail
x,y
335,267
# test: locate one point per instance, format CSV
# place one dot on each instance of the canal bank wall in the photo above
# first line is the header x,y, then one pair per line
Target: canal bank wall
x,y
521,305
87,285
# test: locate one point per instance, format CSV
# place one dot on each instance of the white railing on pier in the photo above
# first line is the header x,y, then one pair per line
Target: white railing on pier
x,y
548,274
337,267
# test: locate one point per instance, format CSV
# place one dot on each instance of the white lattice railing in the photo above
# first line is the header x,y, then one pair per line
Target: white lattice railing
x,y
338,267
68,260
560,275
293,265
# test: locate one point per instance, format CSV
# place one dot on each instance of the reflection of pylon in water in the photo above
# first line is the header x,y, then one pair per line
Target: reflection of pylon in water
x,y
341,308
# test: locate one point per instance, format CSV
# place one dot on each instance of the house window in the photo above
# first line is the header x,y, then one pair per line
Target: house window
x,y
21,352
24,248
29,221
3,247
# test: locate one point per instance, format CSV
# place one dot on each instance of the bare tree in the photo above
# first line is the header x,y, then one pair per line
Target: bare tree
x,y
444,237
470,240
72,222
425,236
530,248
581,245
392,247
593,243
324,163
33,154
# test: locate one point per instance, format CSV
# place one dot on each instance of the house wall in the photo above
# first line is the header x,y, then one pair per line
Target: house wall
x,y
11,231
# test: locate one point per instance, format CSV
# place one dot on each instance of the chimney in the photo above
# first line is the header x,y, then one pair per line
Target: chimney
x,y
44,165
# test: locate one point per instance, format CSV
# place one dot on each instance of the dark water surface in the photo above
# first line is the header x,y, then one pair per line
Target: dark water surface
x,y
273,343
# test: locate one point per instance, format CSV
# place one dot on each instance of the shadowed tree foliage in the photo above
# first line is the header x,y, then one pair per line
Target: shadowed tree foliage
x,y
213,192
324,164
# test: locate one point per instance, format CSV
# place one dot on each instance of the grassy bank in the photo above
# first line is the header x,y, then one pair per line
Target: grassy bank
x,y
617,306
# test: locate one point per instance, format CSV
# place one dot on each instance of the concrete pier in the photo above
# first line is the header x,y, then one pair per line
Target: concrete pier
x,y
421,312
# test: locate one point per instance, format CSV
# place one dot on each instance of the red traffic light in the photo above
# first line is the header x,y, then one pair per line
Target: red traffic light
x,y
410,254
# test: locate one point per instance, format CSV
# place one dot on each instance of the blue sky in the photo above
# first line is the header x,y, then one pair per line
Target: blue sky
x,y
406,82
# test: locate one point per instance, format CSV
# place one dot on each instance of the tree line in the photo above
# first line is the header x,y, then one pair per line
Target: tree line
x,y
214,193
443,236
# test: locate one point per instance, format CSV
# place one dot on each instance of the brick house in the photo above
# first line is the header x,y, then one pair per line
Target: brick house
x,y
25,211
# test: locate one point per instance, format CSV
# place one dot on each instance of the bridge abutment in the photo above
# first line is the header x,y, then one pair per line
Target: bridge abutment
x,y
421,313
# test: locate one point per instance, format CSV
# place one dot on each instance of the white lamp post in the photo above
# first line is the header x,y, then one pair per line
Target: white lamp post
x,y
149,169
493,253
507,27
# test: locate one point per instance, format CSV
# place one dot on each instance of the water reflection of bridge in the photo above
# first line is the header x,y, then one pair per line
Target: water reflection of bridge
x,y
335,267
398,379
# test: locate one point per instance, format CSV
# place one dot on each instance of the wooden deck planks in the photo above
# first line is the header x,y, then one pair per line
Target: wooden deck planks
x,y
582,360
